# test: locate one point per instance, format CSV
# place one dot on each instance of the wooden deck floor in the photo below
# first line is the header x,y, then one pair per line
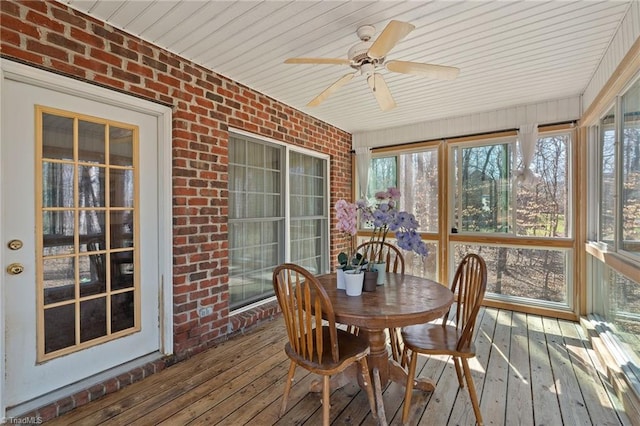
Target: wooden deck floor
x,y
529,370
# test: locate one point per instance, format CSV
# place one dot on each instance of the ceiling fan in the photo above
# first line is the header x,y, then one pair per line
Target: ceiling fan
x,y
367,57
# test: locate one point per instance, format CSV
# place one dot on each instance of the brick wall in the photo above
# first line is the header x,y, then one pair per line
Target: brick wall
x,y
52,36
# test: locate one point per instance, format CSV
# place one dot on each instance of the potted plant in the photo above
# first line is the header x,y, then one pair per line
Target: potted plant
x,y
350,262
384,216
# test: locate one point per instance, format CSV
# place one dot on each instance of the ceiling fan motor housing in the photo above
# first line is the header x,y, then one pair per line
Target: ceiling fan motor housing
x,y
358,53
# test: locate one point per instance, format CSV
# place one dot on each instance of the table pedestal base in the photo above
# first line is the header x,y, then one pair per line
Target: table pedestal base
x,y
389,369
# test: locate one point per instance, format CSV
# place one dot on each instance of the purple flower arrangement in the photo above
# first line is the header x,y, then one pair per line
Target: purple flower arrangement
x,y
383,216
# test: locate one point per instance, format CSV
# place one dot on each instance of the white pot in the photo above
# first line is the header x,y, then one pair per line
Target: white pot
x,y
382,272
353,281
340,278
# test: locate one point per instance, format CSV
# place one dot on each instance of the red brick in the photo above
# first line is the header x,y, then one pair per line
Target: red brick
x,y
87,38
140,47
10,8
69,18
69,69
107,81
103,56
20,26
14,52
54,52
105,31
8,36
89,64
44,21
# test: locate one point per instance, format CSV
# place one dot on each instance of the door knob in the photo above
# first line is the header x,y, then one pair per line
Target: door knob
x,y
15,268
15,244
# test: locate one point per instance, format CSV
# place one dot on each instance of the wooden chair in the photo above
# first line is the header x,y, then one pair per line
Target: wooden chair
x,y
315,345
394,261
470,281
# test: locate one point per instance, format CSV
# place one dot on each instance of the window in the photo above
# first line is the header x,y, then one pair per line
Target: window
x,y
533,275
523,229
619,176
265,222
614,259
488,199
543,208
607,177
308,200
630,172
482,200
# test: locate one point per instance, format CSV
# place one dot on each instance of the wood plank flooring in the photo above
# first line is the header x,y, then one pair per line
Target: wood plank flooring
x,y
529,370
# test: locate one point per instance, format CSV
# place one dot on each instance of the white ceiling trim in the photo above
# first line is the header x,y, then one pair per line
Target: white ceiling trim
x,y
547,112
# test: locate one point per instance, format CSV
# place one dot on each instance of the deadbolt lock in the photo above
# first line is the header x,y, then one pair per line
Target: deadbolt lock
x,y
15,268
15,244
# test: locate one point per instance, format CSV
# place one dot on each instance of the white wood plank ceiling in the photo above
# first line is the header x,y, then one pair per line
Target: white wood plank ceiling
x,y
509,53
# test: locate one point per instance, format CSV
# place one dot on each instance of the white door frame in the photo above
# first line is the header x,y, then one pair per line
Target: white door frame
x,y
10,70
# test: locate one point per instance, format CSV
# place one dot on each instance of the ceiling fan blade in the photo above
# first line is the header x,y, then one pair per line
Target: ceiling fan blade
x,y
392,34
426,70
329,90
381,92
330,61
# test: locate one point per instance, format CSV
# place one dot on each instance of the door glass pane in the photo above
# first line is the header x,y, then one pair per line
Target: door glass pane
x,y
120,146
91,189
92,230
607,178
58,279
91,142
93,278
57,184
630,153
93,319
87,228
121,187
122,270
58,229
59,328
122,311
57,137
122,229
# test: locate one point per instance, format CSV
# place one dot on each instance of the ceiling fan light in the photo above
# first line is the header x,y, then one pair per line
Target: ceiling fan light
x,y
367,69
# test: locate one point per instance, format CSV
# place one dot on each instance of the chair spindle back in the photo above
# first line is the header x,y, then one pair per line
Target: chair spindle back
x,y
390,254
304,304
470,282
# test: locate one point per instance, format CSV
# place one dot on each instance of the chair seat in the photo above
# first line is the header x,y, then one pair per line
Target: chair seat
x,y
427,338
352,347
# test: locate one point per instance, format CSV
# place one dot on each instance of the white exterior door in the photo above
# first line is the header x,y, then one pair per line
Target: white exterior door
x,y
81,223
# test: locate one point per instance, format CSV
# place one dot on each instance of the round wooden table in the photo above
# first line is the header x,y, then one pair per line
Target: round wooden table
x,y
403,300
